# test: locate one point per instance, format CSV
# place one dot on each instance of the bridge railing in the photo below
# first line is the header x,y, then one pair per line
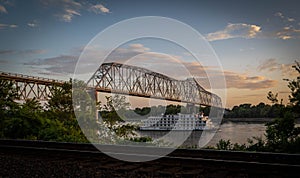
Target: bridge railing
x,y
14,76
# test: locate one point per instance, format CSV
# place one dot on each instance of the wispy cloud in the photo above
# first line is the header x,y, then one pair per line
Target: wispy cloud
x,y
238,30
232,79
4,26
64,64
283,17
271,65
33,23
68,15
3,9
287,29
279,27
68,9
136,54
99,8
242,81
288,33
6,52
279,14
23,52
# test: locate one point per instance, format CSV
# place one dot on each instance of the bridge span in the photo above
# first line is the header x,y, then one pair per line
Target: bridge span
x,y
122,79
141,82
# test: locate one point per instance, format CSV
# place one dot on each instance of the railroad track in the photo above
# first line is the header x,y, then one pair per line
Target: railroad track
x,y
179,163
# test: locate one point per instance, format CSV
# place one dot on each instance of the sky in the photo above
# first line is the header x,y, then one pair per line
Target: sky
x,y
256,42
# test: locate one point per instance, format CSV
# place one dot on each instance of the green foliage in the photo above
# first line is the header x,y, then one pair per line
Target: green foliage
x,y
224,145
281,133
261,110
60,103
8,106
141,139
125,130
30,120
294,86
114,109
272,97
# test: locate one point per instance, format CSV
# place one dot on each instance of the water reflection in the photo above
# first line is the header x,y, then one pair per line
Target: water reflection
x,y
235,132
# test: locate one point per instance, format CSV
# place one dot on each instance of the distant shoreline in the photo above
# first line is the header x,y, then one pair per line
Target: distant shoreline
x,y
252,120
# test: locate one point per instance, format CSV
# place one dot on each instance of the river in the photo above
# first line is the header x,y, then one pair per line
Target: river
x,y
235,132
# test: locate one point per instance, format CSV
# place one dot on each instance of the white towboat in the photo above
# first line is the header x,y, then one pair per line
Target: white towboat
x,y
175,122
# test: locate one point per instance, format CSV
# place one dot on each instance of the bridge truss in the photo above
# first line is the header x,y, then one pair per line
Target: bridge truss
x,y
31,87
122,79
136,81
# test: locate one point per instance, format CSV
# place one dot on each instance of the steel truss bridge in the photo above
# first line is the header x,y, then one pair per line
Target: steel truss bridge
x,y
122,79
136,81
30,86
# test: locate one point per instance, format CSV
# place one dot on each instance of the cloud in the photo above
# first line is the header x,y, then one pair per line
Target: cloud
x,y
65,9
68,9
33,51
3,9
6,52
271,65
232,79
64,64
99,8
239,81
23,52
283,17
33,24
242,81
282,27
288,33
279,14
132,54
238,30
68,15
5,26
138,48
290,19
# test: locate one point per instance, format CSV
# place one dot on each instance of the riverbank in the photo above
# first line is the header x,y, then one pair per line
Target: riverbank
x,y
252,120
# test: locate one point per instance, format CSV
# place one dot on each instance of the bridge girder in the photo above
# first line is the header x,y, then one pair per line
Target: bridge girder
x,y
122,79
136,81
30,86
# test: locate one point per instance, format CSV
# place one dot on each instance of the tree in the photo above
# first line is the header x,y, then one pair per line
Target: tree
x,y
8,95
114,109
60,102
272,97
294,86
26,121
282,133
8,106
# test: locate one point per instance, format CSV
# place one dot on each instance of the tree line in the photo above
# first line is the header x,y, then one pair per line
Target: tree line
x,y
55,121
282,135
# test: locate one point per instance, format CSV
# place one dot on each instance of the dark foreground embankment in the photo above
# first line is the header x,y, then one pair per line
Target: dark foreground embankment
x,y
51,159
